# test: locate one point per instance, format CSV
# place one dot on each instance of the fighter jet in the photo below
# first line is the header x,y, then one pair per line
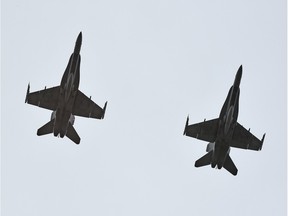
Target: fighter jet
x,y
66,101
224,132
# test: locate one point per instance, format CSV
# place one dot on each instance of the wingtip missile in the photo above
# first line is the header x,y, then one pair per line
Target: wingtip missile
x,y
187,121
262,140
104,110
27,93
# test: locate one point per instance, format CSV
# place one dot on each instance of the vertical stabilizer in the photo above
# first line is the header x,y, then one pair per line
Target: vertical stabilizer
x,y
46,129
72,134
205,160
230,166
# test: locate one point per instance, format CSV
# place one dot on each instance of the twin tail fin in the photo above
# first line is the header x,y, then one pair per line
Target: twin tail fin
x,y
49,128
228,164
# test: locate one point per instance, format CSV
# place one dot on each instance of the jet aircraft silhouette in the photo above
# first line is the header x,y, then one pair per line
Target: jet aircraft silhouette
x,y
66,101
224,132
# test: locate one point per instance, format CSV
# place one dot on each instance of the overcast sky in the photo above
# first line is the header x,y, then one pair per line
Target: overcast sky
x,y
155,62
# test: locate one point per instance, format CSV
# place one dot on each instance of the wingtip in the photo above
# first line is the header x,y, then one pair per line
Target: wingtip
x,y
27,93
262,140
187,121
104,110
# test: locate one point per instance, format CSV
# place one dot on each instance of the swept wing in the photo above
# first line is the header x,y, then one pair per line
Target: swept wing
x,y
244,139
85,107
206,130
47,98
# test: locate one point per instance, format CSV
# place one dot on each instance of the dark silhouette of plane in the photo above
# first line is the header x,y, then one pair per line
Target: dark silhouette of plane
x,y
66,101
224,132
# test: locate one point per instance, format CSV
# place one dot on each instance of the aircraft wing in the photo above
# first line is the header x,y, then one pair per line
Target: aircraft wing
x,y
85,107
206,130
242,138
47,98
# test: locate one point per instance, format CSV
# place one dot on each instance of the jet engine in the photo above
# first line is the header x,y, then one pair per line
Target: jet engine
x,y
210,147
72,119
53,115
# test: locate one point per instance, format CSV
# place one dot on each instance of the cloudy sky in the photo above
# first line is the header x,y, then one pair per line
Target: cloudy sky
x,y
155,62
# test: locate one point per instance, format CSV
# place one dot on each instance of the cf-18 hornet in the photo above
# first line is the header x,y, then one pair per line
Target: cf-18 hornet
x,y
66,101
224,132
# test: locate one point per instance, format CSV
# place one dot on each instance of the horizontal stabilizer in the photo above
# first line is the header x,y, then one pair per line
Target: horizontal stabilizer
x,y
46,129
230,166
72,134
205,160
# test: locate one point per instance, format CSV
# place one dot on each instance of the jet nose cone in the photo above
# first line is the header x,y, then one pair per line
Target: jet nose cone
x,y
239,73
240,70
78,43
238,77
79,38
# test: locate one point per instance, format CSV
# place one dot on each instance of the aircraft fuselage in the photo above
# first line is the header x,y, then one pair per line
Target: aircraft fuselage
x,y
68,91
66,101
227,122
224,132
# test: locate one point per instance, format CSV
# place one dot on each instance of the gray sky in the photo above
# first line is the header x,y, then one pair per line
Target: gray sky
x,y
155,62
